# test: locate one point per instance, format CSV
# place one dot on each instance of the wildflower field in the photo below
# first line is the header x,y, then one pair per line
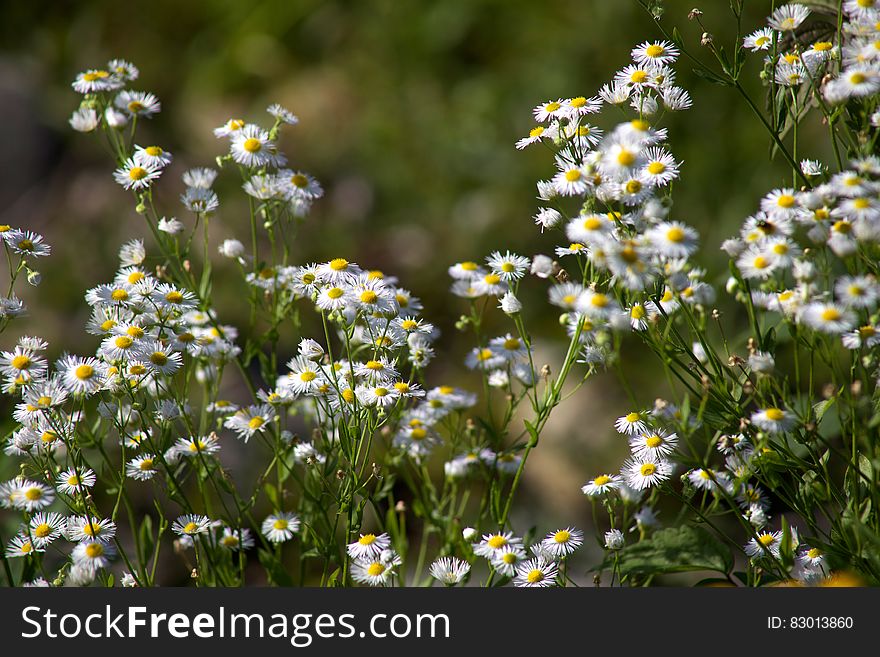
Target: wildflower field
x,y
315,343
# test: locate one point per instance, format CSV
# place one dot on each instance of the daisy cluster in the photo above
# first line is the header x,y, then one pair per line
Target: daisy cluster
x,y
796,253
794,64
610,199
537,566
23,247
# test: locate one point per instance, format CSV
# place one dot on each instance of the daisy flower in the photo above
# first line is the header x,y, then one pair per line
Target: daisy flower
x,y
563,542
154,156
21,546
95,80
602,485
708,479
774,420
673,239
653,444
195,445
137,103
660,168
136,175
449,570
45,528
552,109
27,243
868,336
642,473
766,542
760,39
536,134
656,52
828,317
631,423
510,267
506,559
373,572
280,527
571,181
380,396
250,420
71,480
282,114
788,18
331,298
191,525
32,496
536,573
491,544
368,546
141,468
236,539
90,529
251,147
581,106
93,556
298,184
491,284
857,291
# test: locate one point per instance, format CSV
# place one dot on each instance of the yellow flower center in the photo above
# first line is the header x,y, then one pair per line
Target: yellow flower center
x,y
123,342
335,292
280,524
21,362
153,151
42,530
760,262
137,173
367,539
633,187
626,158
647,469
368,296
633,417
774,414
256,422
601,480
84,372
653,441
654,50
572,175
174,297
146,464
535,576
857,78
299,180
656,168
159,358
639,77
766,539
375,569
252,145
536,131
551,107
496,542
418,434
190,528
830,315
562,536
492,279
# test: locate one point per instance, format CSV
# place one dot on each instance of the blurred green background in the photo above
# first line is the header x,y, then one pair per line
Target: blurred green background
x,y
409,112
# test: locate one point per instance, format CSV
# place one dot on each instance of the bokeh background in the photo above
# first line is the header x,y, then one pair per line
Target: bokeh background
x,y
409,111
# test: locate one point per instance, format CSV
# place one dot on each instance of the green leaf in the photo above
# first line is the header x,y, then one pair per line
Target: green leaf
x,y
673,550
711,77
